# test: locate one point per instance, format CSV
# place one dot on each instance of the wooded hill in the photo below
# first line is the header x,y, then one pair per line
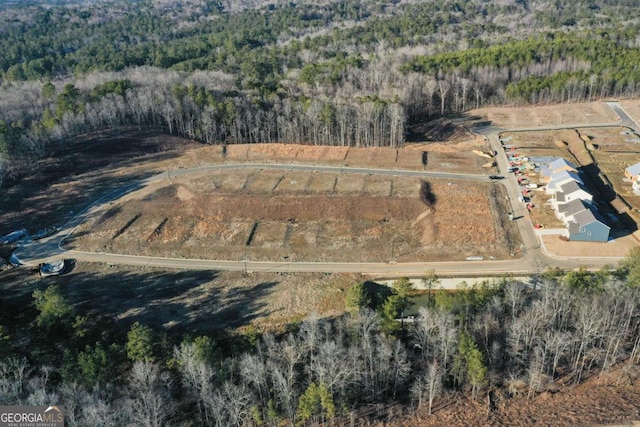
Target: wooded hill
x,y
344,73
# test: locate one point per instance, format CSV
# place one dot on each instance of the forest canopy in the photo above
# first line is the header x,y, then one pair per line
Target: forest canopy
x,y
337,72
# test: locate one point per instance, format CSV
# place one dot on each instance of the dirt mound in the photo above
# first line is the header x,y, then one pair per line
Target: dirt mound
x,y
560,143
576,146
184,194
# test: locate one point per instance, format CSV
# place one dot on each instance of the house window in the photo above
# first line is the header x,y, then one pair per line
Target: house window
x,y
582,229
588,233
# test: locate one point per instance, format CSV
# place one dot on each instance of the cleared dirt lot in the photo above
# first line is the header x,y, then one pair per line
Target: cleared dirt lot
x,y
50,191
546,115
275,215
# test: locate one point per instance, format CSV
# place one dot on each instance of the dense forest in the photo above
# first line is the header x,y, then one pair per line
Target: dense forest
x,y
499,335
344,73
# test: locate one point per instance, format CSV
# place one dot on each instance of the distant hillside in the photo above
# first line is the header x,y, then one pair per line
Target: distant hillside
x,y
336,72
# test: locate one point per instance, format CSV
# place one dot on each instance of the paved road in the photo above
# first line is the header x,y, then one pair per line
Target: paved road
x,y
527,265
625,119
321,168
535,259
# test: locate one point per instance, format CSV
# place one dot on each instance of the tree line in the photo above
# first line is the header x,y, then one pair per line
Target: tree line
x,y
338,73
219,115
499,335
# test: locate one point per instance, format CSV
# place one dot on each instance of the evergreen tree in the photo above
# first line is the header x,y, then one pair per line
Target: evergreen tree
x,y
140,343
54,309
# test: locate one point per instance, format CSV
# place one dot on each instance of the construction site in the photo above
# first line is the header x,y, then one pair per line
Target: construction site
x,y
596,156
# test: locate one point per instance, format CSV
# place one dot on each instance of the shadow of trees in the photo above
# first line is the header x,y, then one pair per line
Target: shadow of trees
x,y
175,303
376,293
85,164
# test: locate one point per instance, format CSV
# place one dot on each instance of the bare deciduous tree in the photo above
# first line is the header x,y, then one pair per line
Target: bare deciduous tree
x,y
149,402
230,405
428,385
197,376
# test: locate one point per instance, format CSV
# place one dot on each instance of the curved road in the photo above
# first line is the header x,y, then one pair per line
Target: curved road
x,y
535,259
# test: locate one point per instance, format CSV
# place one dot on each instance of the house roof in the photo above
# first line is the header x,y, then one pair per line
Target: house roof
x,y
571,187
565,175
586,217
574,228
552,185
572,207
583,219
560,164
633,170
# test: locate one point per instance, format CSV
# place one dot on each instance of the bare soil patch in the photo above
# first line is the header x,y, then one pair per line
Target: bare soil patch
x,y
542,212
619,247
278,215
510,117
414,156
466,162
